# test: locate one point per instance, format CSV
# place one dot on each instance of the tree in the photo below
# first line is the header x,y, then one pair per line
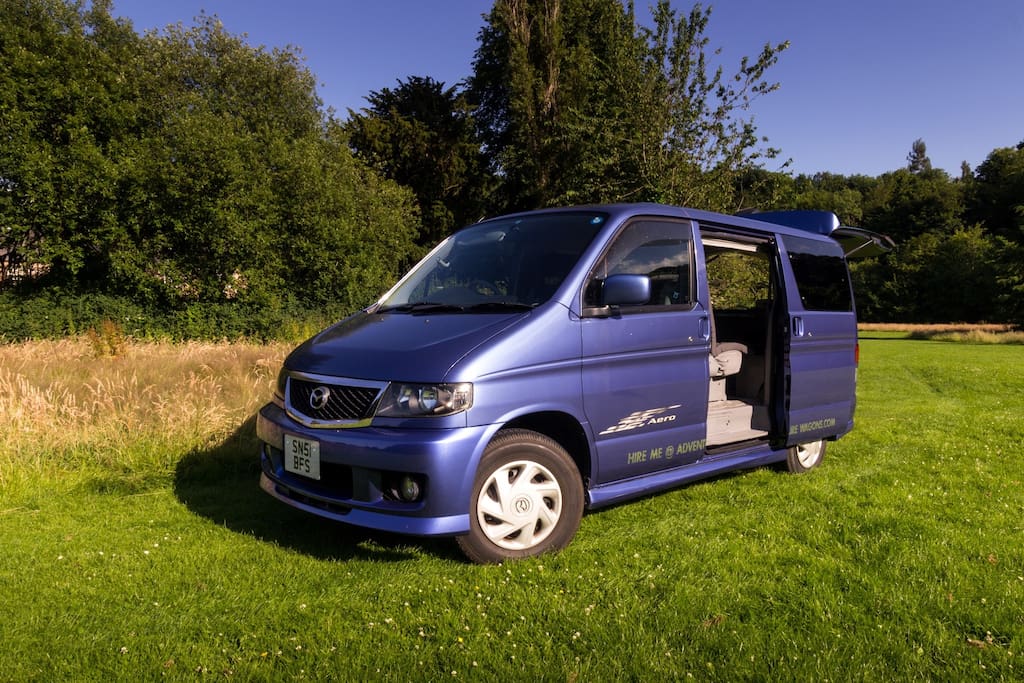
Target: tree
x,y
1009,275
760,189
422,135
829,192
704,143
224,127
547,81
579,104
917,160
64,107
935,278
904,204
243,190
996,197
181,167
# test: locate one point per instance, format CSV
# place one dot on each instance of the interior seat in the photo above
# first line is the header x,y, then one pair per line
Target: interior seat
x,y
725,359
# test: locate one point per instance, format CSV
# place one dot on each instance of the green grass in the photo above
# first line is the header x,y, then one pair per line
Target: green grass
x,y
902,557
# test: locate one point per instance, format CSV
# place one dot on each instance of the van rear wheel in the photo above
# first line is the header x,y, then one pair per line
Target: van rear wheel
x,y
527,499
805,456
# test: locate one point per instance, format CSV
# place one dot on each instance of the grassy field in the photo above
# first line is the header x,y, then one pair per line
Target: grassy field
x,y
135,544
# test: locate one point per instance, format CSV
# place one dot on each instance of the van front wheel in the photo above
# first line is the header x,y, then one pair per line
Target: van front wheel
x,y
805,456
527,499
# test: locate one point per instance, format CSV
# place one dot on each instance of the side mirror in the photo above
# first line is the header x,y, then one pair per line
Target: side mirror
x,y
625,289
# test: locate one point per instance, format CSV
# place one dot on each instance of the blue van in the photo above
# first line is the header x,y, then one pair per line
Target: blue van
x,y
538,364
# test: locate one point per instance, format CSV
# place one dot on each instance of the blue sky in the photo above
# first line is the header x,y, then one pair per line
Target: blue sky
x,y
861,81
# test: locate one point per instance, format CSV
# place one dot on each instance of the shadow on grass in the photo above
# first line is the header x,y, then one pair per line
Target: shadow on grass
x,y
222,485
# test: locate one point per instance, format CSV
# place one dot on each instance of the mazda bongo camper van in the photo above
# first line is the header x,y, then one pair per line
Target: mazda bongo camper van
x,y
539,364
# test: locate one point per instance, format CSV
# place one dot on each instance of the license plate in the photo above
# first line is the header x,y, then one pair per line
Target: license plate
x,y
302,456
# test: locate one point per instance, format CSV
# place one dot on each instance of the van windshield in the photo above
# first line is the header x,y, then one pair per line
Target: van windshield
x,y
501,264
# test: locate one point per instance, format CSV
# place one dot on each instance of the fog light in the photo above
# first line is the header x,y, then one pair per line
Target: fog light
x,y
410,489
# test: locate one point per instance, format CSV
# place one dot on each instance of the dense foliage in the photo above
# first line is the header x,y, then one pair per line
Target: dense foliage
x,y
960,241
580,104
422,135
183,183
180,172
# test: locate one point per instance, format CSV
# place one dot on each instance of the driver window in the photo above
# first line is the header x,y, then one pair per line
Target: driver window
x,y
656,248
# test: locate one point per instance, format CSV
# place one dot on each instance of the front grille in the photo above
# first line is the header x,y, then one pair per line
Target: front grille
x,y
333,401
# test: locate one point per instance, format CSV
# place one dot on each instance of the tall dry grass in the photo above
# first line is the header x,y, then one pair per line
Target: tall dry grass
x,y
66,408
935,328
986,333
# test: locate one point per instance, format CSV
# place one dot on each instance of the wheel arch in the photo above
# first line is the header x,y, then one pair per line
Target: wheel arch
x,y
563,429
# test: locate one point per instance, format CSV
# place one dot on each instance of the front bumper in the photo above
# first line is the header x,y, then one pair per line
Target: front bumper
x,y
357,464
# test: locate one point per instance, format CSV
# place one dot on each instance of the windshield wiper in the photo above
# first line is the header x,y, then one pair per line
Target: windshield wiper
x,y
421,307
436,307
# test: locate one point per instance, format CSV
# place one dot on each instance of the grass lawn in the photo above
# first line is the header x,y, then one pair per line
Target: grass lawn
x,y
136,544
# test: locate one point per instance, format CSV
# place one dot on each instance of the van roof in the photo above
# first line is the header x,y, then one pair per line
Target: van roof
x,y
823,225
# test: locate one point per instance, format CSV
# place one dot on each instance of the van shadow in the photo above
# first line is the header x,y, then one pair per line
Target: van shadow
x,y
222,484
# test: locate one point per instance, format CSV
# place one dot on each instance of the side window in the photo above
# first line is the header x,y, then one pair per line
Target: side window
x,y
821,275
659,249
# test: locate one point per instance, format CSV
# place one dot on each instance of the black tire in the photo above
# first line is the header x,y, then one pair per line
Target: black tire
x,y
527,499
806,456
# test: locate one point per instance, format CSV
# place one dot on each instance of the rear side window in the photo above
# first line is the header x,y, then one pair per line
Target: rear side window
x,y
821,275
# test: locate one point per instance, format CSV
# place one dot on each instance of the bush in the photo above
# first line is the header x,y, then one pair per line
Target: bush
x,y
106,318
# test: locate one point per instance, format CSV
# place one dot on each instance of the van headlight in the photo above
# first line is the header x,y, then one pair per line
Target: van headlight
x,y
425,400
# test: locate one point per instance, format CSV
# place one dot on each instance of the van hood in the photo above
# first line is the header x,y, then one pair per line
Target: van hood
x,y
397,346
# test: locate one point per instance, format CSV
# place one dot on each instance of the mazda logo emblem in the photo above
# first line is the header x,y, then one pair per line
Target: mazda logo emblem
x,y
319,398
